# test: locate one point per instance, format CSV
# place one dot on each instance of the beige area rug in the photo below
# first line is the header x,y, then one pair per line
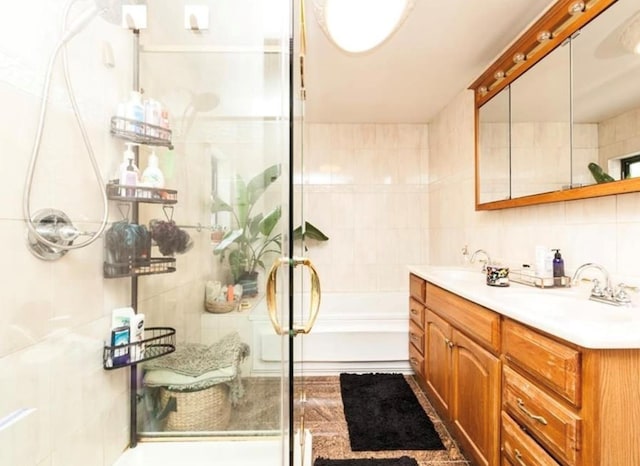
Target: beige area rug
x,y
325,418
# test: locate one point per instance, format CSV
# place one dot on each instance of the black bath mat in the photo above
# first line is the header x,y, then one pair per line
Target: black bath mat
x,y
402,461
383,413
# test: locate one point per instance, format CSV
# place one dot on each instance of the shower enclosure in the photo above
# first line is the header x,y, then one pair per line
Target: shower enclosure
x,y
224,71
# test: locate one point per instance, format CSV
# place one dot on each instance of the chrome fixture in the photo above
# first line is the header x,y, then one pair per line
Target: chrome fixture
x,y
606,295
485,262
50,233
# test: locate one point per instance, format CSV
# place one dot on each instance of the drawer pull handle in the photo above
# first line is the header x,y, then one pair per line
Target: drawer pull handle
x,y
449,343
535,417
519,457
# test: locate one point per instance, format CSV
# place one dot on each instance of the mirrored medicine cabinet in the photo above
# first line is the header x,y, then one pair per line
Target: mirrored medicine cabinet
x,y
564,96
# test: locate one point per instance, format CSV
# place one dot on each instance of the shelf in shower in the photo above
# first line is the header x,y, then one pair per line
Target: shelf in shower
x,y
140,132
152,266
118,192
158,341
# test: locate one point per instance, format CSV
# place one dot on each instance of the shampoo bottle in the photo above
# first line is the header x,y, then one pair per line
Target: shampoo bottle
x,y
136,332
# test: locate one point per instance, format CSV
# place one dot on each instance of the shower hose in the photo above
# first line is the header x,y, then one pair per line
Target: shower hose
x,y
61,45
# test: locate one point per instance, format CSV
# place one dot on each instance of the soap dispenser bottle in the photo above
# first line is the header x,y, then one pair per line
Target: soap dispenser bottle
x,y
152,175
558,267
128,172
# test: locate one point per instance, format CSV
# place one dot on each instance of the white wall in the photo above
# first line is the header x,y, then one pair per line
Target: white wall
x,y
602,230
365,187
56,315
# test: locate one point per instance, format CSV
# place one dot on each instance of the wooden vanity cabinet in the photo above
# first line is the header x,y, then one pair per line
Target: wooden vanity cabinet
x,y
582,406
462,375
513,395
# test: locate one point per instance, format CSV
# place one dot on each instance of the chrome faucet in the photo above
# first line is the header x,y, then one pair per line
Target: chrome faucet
x,y
607,294
485,262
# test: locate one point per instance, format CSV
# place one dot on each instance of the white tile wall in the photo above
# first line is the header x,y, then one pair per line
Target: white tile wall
x,y
365,187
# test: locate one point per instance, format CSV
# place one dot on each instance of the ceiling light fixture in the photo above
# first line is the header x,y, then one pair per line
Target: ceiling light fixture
x,y
360,25
630,35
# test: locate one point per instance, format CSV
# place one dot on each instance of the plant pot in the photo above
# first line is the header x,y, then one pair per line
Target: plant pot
x,y
249,282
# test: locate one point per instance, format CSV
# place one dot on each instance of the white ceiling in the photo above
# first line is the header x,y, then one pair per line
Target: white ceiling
x,y
441,48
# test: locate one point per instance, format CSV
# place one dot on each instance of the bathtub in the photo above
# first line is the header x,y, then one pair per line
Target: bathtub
x,y
354,332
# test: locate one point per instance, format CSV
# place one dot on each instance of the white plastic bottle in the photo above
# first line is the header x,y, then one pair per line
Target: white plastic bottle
x,y
135,112
152,175
136,335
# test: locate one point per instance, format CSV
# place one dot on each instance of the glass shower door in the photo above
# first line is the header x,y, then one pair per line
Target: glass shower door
x,y
228,91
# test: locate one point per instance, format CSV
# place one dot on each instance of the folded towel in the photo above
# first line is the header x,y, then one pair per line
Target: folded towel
x,y
194,359
198,366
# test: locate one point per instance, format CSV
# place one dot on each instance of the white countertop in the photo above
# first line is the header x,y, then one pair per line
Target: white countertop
x,y
566,313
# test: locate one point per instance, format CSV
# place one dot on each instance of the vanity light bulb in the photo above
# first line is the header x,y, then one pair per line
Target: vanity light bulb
x,y
576,8
483,90
499,74
544,36
636,49
519,57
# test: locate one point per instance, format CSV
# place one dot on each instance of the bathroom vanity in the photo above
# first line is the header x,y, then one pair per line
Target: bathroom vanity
x,y
525,376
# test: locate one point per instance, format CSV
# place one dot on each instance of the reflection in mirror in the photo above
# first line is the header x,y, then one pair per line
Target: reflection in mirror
x,y
493,148
606,93
541,126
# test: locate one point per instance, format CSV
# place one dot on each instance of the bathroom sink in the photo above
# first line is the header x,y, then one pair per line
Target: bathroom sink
x,y
458,274
567,304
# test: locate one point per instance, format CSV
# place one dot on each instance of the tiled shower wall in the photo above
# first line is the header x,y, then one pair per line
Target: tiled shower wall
x,y
55,315
602,230
365,186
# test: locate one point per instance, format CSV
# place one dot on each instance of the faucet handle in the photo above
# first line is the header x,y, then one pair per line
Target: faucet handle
x,y
621,295
597,289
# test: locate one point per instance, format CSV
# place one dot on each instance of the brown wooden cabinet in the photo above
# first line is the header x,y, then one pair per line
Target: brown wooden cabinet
x,y
462,376
513,395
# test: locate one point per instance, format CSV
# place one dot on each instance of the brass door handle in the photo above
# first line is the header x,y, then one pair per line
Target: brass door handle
x,y
535,417
272,305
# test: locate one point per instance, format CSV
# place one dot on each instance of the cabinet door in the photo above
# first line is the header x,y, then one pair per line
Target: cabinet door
x,y
437,360
475,399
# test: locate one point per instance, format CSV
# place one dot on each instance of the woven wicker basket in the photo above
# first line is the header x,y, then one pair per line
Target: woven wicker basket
x,y
207,409
220,307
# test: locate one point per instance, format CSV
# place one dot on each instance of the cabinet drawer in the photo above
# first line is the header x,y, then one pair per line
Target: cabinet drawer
x,y
519,449
416,360
416,337
416,312
417,287
478,322
553,424
555,364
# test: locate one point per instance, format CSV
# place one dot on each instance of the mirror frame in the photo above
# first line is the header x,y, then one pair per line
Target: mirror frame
x,y
526,51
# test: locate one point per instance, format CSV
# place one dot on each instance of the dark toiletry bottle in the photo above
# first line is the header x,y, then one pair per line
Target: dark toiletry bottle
x,y
558,266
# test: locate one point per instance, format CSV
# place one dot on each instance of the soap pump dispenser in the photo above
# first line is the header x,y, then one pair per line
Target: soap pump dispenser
x,y
128,172
558,266
152,175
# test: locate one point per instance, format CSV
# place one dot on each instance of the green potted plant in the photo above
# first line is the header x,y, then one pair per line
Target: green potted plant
x,y
252,235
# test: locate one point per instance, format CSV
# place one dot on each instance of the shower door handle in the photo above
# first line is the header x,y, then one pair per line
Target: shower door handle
x,y
272,305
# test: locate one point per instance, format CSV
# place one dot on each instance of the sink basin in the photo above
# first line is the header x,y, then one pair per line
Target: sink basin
x,y
567,305
447,273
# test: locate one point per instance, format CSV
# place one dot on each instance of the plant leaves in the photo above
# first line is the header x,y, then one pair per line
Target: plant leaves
x,y
242,203
268,223
218,205
310,232
228,239
261,182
